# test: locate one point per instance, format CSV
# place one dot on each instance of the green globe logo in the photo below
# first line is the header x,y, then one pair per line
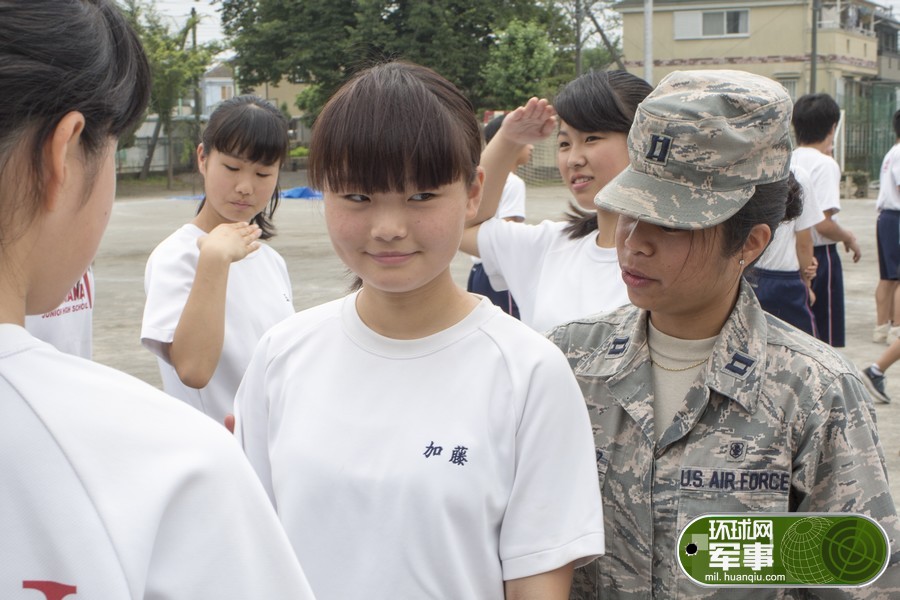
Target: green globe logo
x,y
816,550
801,550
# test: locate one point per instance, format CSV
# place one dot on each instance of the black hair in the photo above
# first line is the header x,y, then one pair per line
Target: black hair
x,y
253,129
815,115
392,125
60,56
896,123
491,129
598,101
771,204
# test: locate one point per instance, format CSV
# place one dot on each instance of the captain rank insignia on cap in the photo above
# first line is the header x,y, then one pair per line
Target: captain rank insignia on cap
x,y
659,148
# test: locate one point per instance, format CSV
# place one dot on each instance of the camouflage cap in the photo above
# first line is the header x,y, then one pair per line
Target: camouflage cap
x,y
700,144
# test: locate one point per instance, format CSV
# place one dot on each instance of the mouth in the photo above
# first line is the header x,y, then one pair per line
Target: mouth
x,y
391,258
580,182
634,278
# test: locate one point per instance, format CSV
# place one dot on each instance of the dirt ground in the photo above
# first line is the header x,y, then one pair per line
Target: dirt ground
x,y
144,214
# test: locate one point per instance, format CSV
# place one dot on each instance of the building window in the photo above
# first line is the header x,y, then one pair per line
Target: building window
x,y
790,84
714,23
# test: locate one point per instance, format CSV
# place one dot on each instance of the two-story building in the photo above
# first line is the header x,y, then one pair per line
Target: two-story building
x,y
856,57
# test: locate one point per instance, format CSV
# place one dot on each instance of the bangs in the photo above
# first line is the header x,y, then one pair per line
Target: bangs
x,y
394,126
252,134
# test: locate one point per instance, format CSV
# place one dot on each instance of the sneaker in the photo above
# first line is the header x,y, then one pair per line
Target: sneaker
x,y
893,334
880,333
875,383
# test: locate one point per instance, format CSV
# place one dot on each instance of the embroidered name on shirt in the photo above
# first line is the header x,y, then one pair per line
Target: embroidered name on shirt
x,y
459,456
736,480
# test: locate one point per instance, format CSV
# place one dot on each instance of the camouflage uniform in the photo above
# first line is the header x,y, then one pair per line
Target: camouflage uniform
x,y
779,417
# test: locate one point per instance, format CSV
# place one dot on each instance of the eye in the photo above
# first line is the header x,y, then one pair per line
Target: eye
x,y
359,198
263,174
562,145
670,229
593,138
230,168
422,196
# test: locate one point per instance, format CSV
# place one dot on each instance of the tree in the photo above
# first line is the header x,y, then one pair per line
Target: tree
x,y
173,66
321,42
517,65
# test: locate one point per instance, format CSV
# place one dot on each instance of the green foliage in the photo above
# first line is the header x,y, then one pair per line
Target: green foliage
x,y
517,65
174,66
299,152
322,42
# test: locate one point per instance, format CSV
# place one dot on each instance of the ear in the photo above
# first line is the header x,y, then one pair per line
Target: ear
x,y
473,200
757,242
62,152
201,159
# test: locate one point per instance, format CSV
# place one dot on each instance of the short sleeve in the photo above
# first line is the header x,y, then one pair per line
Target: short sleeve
x,y
512,202
554,515
168,279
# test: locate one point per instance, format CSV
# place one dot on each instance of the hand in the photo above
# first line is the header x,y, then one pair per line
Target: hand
x,y
851,245
231,241
809,273
530,123
812,300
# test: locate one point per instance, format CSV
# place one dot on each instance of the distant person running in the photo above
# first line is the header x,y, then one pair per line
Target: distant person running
x,y
111,490
213,288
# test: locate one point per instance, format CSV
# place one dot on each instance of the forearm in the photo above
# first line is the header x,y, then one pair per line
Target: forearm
x,y
833,231
804,247
199,335
552,585
498,159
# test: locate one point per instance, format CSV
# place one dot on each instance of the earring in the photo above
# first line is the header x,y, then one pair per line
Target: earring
x,y
741,262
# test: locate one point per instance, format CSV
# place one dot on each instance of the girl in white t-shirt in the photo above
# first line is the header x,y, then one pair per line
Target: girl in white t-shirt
x,y
561,270
111,489
413,437
212,287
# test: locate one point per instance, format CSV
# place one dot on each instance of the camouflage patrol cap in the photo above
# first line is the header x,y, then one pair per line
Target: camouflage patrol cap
x,y
700,144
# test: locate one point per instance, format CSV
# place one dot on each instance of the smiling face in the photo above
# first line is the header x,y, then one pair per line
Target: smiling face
x,y
587,161
236,189
399,242
681,277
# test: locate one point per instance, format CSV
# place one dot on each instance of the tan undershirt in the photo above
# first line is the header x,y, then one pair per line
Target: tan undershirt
x,y
670,387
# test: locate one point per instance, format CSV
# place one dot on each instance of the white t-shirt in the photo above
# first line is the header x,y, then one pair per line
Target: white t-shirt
x,y
258,296
825,178
512,205
428,468
888,194
69,327
553,278
111,490
781,255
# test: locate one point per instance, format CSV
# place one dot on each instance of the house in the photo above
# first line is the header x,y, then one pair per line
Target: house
x,y
856,57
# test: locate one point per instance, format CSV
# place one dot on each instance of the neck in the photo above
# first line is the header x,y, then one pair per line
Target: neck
x,y
820,146
697,325
412,315
606,228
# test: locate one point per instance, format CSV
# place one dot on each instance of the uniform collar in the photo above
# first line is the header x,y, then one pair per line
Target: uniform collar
x,y
737,366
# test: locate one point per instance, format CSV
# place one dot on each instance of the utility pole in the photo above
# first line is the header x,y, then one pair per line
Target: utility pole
x,y
814,54
648,41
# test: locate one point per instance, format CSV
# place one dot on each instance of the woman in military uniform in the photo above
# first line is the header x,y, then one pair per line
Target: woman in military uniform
x,y
700,401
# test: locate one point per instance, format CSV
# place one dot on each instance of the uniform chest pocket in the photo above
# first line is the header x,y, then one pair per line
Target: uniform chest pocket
x,y
705,490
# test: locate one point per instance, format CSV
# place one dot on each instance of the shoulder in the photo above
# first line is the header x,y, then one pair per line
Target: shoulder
x,y
180,245
583,336
788,347
545,230
299,327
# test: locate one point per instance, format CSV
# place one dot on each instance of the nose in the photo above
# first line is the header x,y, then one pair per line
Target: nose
x,y
631,234
575,157
244,186
389,224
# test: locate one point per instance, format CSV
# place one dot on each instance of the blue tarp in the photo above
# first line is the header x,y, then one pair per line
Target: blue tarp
x,y
302,193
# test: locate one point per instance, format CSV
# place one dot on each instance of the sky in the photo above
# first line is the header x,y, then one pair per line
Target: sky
x,y
178,11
